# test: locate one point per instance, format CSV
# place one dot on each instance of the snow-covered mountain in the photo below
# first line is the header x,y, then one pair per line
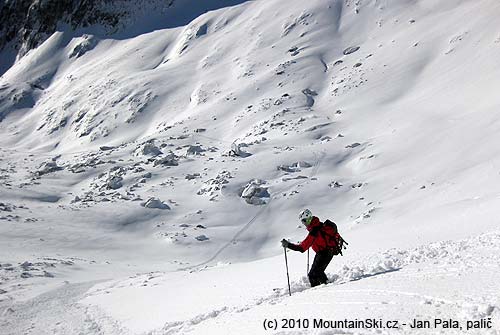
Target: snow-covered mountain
x,y
154,153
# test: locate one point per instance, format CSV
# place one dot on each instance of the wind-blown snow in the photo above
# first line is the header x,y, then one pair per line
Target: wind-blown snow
x,y
147,176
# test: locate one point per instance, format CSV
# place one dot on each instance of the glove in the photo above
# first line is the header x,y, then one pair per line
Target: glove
x,y
284,243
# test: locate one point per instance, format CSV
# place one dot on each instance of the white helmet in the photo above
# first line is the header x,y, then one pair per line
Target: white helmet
x,y
305,216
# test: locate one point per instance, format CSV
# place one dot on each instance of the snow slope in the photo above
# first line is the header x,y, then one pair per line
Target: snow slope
x,y
118,167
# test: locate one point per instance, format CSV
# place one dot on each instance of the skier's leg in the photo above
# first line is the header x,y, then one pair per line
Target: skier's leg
x,y
317,274
326,259
313,279
323,278
313,273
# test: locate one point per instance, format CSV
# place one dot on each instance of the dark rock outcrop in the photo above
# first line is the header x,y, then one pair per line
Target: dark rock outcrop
x,y
27,23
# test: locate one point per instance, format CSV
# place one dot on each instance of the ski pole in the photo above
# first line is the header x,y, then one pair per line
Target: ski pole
x,y
287,275
307,262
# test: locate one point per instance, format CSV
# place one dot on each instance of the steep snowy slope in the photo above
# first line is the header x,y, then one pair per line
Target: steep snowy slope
x,y
190,141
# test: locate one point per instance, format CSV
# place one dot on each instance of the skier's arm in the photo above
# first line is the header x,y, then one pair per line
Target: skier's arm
x,y
290,245
307,243
304,245
295,247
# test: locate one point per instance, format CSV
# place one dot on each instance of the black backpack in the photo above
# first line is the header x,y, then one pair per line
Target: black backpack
x,y
340,243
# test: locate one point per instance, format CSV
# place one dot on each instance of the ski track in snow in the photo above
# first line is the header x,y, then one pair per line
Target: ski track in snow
x,y
57,312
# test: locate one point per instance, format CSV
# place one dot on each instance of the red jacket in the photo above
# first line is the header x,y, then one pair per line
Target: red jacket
x,y
320,237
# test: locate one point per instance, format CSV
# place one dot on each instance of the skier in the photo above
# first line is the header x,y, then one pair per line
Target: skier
x,y
323,240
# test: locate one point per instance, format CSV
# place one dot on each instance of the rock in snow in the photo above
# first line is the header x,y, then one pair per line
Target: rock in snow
x,y
169,160
295,167
87,43
150,149
350,50
194,150
255,193
114,182
202,238
48,167
237,150
155,203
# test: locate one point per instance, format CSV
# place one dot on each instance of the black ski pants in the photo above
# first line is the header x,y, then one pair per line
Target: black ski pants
x,y
317,273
